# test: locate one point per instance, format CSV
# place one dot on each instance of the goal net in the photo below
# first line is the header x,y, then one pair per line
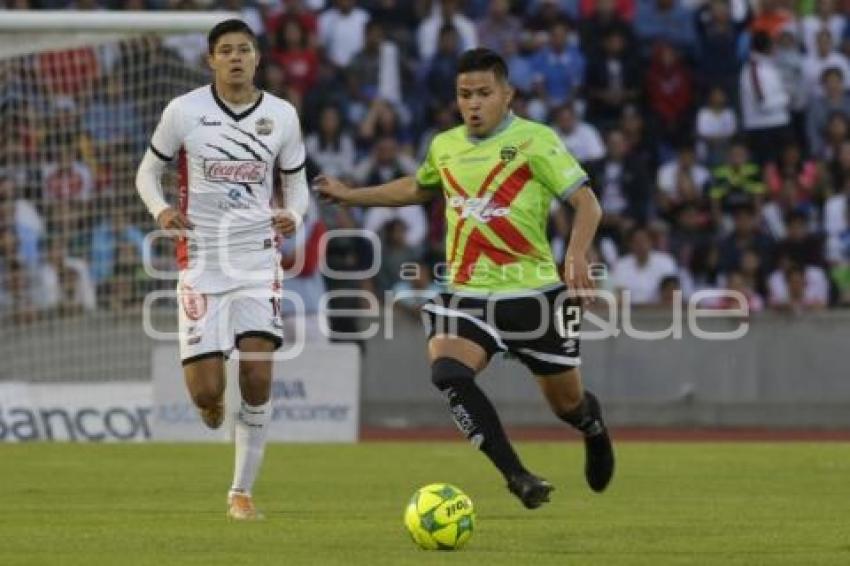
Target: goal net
x,y
80,94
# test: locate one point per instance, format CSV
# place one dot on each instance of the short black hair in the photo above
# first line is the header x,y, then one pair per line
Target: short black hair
x,y
761,42
232,25
830,71
482,59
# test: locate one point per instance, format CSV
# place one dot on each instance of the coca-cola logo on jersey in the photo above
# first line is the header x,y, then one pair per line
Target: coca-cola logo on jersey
x,y
234,171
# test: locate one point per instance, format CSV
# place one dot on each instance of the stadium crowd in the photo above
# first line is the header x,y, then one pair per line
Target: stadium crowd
x,y
716,134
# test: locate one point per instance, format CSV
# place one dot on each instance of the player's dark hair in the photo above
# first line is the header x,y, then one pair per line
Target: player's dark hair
x,y
232,25
830,71
482,59
668,280
761,42
638,229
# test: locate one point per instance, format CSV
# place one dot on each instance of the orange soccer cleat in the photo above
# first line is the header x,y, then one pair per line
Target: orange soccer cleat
x,y
241,508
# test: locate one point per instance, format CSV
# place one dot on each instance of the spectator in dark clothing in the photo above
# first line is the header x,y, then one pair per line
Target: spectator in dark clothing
x,y
329,91
746,235
542,16
612,80
718,39
642,142
753,269
440,79
691,231
668,20
623,185
704,267
399,20
838,168
837,132
834,99
803,247
604,20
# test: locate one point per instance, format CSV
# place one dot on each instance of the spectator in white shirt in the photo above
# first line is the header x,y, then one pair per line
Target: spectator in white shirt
x,y
764,101
444,11
342,31
685,163
825,57
641,272
716,126
375,72
825,17
791,63
835,213
834,99
331,148
580,138
65,284
797,289
386,163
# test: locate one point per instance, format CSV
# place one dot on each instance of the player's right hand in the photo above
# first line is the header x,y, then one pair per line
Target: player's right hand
x,y
331,189
173,219
578,280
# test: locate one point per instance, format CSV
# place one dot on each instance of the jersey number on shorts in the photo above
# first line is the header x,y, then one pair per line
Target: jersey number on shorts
x,y
567,321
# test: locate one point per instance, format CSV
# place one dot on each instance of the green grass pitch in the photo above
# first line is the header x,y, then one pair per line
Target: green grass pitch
x,y
727,504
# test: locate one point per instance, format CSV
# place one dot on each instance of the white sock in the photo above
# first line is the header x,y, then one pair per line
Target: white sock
x,y
250,439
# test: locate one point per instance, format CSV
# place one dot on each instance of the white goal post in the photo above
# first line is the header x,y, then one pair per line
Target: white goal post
x,y
80,93
29,31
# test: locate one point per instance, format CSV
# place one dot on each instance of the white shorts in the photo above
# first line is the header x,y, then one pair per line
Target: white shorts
x,y
213,323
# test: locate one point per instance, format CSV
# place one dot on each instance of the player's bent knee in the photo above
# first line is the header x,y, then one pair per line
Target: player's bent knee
x,y
254,372
207,398
447,371
255,381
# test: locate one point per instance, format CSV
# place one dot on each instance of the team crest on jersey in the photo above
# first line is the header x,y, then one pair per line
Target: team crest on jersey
x,y
235,171
194,303
264,126
508,153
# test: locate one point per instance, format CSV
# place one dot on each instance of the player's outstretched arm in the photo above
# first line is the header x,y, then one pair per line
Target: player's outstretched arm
x,y
401,192
585,221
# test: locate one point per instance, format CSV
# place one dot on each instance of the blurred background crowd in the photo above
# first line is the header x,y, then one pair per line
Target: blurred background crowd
x,y
716,134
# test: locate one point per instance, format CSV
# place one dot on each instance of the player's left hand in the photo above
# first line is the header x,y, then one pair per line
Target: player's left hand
x,y
285,223
577,278
331,189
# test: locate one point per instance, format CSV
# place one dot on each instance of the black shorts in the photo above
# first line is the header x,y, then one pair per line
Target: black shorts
x,y
541,329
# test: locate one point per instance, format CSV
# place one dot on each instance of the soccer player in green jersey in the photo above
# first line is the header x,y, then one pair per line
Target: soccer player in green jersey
x,y
499,174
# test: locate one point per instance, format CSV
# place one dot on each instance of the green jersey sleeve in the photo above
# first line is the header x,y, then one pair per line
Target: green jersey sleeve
x,y
428,175
555,167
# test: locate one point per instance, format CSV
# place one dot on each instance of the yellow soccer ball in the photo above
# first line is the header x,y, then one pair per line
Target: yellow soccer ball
x,y
440,517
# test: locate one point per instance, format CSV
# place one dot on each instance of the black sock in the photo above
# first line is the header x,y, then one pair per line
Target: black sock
x,y
586,417
476,417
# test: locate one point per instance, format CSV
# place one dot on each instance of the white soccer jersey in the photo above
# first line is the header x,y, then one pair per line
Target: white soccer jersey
x,y
227,165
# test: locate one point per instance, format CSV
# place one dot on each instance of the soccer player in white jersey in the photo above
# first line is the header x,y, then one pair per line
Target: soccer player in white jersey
x,y
231,140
